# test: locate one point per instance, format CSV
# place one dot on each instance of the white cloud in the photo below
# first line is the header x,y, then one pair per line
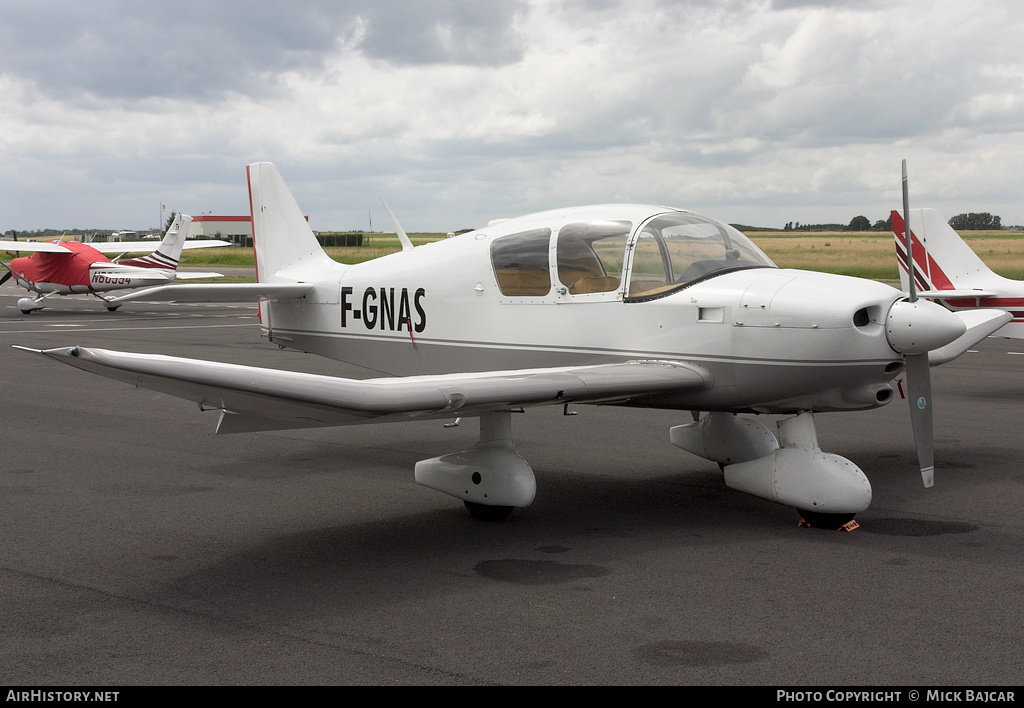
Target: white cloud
x,y
460,111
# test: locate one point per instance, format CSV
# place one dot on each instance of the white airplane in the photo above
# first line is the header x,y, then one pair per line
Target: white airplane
x,y
623,305
947,270
70,267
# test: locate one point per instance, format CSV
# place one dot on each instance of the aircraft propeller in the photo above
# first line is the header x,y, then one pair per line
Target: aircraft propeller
x,y
919,382
6,277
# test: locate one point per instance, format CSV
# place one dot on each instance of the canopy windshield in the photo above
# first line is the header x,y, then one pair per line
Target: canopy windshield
x,y
679,249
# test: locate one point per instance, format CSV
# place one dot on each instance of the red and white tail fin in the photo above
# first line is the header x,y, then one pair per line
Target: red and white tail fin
x,y
286,249
942,260
168,253
948,271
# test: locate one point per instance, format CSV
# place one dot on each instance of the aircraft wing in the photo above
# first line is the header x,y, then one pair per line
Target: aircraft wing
x,y
44,246
149,246
219,292
251,398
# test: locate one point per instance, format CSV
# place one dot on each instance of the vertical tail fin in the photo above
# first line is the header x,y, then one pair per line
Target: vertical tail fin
x,y
168,253
942,260
286,249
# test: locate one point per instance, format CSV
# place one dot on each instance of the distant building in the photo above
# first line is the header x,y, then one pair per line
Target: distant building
x,y
236,229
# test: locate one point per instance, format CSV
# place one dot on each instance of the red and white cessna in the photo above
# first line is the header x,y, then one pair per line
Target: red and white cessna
x,y
70,267
626,305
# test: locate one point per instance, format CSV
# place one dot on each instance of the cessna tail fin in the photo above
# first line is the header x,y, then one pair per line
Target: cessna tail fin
x,y
942,260
286,249
168,253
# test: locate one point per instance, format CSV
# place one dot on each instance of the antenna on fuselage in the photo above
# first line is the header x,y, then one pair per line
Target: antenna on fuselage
x,y
406,243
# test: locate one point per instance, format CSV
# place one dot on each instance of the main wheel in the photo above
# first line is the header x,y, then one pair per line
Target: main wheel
x,y
111,308
488,512
831,522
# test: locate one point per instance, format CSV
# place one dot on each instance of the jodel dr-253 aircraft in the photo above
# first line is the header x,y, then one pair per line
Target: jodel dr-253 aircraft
x,y
70,267
947,270
619,304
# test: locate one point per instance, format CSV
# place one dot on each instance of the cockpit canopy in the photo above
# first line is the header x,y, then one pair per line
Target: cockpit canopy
x,y
669,252
678,249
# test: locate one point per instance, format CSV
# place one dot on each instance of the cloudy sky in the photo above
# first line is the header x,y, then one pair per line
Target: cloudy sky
x,y
459,111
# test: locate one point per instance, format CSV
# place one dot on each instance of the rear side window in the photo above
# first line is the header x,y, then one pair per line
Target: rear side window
x,y
520,263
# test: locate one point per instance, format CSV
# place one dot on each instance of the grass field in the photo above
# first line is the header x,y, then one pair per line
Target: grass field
x,y
871,255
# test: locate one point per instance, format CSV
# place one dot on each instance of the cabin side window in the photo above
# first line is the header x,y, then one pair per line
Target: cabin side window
x,y
591,256
520,263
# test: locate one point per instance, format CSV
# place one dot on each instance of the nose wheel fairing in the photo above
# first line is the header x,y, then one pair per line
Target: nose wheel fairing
x,y
792,470
27,305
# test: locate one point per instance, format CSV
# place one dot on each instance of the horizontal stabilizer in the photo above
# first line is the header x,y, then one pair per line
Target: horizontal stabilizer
x,y
219,292
195,275
954,294
210,243
252,398
980,324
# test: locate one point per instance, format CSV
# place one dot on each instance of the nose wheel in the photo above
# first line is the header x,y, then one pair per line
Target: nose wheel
x,y
488,512
28,305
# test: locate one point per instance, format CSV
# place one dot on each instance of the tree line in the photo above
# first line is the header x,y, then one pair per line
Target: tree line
x,y
982,221
976,222
857,223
